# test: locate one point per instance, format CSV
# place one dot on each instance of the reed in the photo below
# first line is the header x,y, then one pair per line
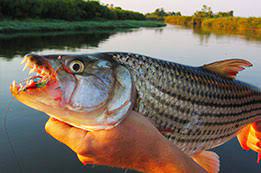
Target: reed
x,y
237,25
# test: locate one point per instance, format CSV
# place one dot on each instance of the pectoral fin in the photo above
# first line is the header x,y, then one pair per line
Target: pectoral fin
x,y
207,160
228,68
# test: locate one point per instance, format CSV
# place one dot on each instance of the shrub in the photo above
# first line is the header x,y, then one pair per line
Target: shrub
x,y
63,9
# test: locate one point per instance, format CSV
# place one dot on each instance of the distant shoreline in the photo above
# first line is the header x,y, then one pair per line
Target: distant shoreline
x,y
35,25
229,25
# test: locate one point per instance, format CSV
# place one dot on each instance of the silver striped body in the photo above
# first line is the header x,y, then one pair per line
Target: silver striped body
x,y
195,108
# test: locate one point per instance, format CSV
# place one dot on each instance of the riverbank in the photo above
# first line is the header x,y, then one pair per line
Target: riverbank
x,y
7,26
230,25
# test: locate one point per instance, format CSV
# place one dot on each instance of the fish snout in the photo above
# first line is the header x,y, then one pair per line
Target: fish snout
x,y
34,61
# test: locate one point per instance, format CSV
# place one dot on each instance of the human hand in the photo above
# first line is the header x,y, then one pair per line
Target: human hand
x,y
135,144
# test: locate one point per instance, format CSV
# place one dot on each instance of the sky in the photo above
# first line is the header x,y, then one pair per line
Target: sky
x,y
244,8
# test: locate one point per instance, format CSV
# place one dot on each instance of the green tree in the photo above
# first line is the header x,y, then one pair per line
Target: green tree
x,y
63,9
224,14
160,13
204,12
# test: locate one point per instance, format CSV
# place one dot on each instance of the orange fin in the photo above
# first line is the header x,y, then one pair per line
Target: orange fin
x,y
243,136
228,68
207,160
250,138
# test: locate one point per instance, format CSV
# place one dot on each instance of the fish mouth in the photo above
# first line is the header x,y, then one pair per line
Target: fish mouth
x,y
40,74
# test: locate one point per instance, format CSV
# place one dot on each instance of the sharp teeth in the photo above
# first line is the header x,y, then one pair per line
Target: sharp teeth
x,y
34,68
43,72
31,71
14,84
25,66
13,87
21,86
24,60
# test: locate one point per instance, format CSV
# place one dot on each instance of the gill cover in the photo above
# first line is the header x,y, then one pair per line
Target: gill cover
x,y
97,92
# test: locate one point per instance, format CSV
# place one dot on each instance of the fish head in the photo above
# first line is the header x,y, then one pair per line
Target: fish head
x,y
91,92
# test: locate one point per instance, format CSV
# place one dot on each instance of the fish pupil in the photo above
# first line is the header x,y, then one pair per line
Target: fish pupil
x,y
76,67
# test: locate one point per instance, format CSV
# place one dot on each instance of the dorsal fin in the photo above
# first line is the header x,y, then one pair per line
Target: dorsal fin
x,y
228,68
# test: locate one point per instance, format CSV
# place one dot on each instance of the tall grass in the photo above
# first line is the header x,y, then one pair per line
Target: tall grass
x,y
236,25
233,24
179,20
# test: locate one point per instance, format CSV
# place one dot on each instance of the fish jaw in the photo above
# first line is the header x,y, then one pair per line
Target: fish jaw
x,y
41,91
57,95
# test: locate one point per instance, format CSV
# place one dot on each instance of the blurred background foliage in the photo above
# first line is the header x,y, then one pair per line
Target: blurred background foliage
x,y
63,9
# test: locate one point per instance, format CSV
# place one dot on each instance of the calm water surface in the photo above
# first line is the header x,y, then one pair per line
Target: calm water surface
x,y
38,152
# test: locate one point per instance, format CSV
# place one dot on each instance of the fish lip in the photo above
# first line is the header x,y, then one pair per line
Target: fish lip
x,y
37,64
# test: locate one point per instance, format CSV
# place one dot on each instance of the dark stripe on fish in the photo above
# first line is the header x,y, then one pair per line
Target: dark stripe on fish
x,y
210,114
190,140
185,121
203,103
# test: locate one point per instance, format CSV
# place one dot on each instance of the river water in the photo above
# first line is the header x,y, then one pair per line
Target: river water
x,y
32,150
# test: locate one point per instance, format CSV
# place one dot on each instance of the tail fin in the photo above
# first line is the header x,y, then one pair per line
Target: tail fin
x,y
250,138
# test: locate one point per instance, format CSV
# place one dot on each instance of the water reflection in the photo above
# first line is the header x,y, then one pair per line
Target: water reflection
x,y
203,36
20,44
205,33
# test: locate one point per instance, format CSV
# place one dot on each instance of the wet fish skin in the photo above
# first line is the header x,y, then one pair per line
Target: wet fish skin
x,y
195,108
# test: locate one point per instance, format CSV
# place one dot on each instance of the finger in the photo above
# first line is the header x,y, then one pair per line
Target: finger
x,y
57,129
69,135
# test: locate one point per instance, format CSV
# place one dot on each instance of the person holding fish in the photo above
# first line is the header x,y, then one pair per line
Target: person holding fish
x,y
134,144
98,104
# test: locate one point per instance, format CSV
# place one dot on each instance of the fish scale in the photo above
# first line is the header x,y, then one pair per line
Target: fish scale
x,y
195,108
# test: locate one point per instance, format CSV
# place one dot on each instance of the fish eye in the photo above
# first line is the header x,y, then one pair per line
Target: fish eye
x,y
76,66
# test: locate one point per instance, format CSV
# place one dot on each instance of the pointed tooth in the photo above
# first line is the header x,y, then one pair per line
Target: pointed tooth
x,y
24,60
31,71
46,72
34,67
25,67
14,83
13,87
21,87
